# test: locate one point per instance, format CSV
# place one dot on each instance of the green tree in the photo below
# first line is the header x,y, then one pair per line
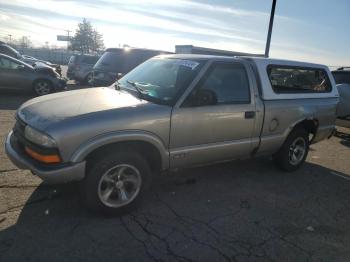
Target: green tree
x,y
86,39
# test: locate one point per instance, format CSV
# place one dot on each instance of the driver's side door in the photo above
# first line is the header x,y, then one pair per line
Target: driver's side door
x,y
216,121
13,75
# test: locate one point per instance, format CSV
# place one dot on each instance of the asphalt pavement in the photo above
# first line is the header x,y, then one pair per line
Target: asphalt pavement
x,y
238,211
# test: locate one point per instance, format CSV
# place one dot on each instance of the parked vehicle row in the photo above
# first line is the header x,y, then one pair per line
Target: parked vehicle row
x,y
342,78
10,51
80,68
17,75
171,112
116,62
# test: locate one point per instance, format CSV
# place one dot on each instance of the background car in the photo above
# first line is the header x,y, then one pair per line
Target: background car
x,y
80,68
17,75
342,75
10,51
342,79
119,61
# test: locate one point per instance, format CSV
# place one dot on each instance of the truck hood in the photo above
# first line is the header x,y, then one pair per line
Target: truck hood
x,y
46,110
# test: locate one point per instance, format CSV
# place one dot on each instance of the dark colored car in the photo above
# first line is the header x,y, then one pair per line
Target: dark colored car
x,y
342,75
10,51
342,79
120,61
80,67
17,75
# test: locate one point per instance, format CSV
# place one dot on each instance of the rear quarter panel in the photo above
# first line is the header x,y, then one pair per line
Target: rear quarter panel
x,y
282,115
284,111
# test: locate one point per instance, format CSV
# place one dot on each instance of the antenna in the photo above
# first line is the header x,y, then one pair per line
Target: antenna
x,y
272,16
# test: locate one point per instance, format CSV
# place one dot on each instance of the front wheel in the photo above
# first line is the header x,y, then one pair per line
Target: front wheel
x,y
294,150
42,87
114,183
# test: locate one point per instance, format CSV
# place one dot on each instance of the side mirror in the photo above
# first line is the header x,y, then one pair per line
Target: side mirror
x,y
21,67
203,97
119,75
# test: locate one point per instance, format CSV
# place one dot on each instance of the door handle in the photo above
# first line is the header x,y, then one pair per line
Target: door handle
x,y
249,114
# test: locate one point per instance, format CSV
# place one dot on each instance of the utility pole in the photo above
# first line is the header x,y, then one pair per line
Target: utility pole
x,y
272,16
68,39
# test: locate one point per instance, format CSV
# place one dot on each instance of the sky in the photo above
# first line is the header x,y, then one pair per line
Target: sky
x,y
314,30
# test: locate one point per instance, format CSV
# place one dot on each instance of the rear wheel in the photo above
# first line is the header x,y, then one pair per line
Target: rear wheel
x,y
114,183
294,150
42,87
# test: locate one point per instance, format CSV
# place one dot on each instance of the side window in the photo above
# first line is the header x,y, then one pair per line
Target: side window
x,y
224,83
285,79
342,78
90,60
7,64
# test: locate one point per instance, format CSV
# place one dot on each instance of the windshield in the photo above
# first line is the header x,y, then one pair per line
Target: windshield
x,y
111,60
161,80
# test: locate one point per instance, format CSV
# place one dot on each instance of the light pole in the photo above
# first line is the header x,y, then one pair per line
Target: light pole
x,y
272,16
68,31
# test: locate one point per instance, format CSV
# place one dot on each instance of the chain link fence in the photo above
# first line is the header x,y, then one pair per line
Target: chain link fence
x,y
54,56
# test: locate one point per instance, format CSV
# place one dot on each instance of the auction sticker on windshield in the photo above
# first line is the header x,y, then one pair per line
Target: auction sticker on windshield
x,y
187,63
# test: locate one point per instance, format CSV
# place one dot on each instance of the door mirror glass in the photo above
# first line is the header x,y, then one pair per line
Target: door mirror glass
x,y
21,67
119,75
202,97
223,83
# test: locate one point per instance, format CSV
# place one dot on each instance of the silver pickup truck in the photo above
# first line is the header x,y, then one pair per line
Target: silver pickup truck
x,y
170,112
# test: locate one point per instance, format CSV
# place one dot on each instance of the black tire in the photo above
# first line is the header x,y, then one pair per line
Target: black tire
x,y
42,87
284,158
98,168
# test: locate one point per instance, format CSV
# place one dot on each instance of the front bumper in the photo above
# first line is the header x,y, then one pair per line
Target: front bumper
x,y
101,82
60,84
51,174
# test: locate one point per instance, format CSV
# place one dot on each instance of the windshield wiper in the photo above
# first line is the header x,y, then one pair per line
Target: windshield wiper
x,y
137,88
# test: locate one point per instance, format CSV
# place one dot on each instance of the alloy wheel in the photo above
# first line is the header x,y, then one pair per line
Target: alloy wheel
x,y
119,185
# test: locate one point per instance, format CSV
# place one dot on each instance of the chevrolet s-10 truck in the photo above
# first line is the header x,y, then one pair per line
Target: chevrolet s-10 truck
x,y
173,111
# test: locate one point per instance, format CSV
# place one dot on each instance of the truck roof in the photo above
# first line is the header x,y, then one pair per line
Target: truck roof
x,y
256,60
261,64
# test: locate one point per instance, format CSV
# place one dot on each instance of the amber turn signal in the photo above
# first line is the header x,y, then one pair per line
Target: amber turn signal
x,y
48,159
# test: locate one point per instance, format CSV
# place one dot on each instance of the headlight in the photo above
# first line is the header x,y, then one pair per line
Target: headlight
x,y
38,138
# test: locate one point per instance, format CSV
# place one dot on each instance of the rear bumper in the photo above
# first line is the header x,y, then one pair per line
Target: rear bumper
x,y
50,174
101,82
343,122
323,133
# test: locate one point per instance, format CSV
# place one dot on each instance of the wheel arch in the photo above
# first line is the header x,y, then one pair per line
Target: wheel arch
x,y
150,146
310,124
42,79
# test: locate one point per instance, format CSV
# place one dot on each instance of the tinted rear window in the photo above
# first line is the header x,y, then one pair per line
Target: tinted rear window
x,y
342,77
91,60
288,79
121,61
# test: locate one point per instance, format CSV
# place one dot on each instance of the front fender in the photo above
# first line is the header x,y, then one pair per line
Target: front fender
x,y
121,136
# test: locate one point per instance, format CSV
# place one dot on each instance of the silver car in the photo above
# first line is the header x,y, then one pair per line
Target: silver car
x,y
19,76
80,68
171,112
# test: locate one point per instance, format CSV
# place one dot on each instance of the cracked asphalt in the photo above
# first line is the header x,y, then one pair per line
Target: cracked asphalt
x,y
238,211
